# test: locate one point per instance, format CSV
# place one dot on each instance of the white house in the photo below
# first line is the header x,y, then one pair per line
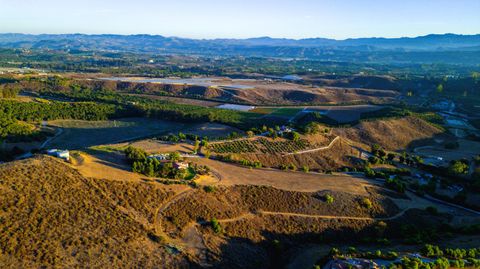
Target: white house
x,y
62,154
159,157
180,165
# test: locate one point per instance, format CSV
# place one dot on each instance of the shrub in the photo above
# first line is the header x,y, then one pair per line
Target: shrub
x,y
216,226
305,169
329,199
458,167
365,202
209,189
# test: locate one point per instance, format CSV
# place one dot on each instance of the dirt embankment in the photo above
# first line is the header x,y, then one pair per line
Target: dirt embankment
x,y
393,134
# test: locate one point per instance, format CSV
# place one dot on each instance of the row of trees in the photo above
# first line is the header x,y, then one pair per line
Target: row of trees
x,y
158,108
30,111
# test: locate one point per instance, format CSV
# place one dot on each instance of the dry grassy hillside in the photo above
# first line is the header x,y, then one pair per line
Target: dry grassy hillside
x,y
291,94
393,134
51,216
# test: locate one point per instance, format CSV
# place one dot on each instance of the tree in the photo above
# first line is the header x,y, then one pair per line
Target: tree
x,y
135,154
216,226
174,156
458,168
182,136
295,136
329,199
366,203
250,134
305,169
196,146
440,88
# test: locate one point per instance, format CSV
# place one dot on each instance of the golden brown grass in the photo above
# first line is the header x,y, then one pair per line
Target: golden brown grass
x,y
51,216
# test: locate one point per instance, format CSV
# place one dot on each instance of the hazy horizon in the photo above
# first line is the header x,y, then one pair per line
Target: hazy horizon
x,y
212,19
252,37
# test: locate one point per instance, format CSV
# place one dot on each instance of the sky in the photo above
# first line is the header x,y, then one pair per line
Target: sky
x,y
337,19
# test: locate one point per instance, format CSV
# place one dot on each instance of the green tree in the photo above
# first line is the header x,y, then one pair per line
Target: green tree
x,y
440,88
295,136
329,198
458,168
174,156
196,146
305,169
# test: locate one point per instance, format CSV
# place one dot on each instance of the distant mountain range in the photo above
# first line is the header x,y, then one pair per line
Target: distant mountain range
x,y
262,46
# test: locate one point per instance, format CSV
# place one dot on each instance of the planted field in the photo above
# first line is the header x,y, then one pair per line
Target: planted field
x,y
77,134
286,112
238,146
263,110
261,145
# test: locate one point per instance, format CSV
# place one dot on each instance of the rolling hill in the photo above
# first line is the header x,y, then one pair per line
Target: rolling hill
x,y
447,48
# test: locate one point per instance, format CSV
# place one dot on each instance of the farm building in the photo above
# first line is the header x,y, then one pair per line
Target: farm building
x,y
353,263
180,165
62,154
292,78
159,157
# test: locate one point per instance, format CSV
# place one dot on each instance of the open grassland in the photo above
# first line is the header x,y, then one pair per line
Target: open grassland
x,y
51,216
83,134
391,134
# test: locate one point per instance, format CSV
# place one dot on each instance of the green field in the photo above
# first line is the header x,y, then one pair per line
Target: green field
x,y
286,112
277,111
78,134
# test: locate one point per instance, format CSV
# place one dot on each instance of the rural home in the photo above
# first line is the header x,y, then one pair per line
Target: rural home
x,y
353,263
62,154
180,165
159,157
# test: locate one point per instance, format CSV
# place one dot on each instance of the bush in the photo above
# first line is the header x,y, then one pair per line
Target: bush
x,y
458,167
209,189
367,203
329,199
305,169
216,226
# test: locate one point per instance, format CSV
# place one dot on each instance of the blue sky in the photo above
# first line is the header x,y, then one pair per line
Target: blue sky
x,y
243,18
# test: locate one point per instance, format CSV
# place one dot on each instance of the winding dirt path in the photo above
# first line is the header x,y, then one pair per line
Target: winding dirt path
x,y
316,149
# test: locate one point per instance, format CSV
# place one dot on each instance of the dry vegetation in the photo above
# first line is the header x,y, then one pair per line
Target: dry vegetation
x,y
236,203
52,216
393,134
267,93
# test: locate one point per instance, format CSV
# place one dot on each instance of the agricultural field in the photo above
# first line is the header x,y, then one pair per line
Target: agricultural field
x,y
467,149
76,134
211,130
260,145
